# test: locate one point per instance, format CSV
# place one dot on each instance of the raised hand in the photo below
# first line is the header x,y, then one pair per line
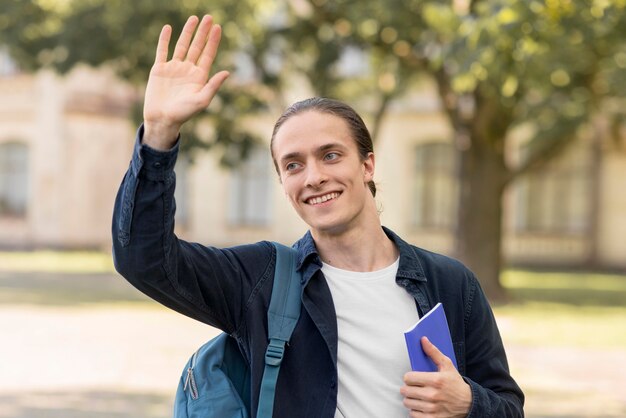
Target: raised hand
x,y
179,88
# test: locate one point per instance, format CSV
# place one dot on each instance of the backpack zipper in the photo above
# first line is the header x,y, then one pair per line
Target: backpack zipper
x,y
190,381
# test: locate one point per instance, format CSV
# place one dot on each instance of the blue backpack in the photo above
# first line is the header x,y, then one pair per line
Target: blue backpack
x,y
216,380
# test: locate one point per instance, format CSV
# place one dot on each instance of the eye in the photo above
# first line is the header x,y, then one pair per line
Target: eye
x,y
292,166
331,156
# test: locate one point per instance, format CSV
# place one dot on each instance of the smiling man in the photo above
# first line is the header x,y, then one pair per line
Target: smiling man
x,y
362,284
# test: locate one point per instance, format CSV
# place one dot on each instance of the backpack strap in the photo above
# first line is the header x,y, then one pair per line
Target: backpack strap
x,y
282,316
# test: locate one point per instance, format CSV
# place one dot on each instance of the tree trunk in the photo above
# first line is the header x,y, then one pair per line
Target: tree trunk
x,y
479,222
593,258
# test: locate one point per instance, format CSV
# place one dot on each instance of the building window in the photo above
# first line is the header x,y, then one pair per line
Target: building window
x,y
435,186
250,195
13,179
557,198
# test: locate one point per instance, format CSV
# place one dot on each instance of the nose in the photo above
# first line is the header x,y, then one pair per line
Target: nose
x,y
315,176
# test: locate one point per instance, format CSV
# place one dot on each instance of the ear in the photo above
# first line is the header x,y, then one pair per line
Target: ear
x,y
369,164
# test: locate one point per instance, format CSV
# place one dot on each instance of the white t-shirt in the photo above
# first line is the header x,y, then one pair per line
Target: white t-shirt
x,y
372,314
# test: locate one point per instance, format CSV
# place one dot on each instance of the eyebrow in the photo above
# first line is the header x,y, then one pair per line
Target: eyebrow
x,y
320,150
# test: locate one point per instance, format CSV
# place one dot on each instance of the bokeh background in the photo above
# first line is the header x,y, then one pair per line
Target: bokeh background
x,y
500,136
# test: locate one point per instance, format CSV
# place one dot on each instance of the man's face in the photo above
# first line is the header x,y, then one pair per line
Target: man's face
x,y
321,171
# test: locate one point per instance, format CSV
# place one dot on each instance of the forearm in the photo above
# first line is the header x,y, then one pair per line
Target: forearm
x,y
143,238
494,391
488,404
205,283
160,136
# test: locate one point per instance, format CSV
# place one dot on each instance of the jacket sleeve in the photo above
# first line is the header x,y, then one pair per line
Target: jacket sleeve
x,y
494,392
209,284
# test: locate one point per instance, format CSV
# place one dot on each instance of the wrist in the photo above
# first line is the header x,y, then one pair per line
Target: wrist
x,y
160,136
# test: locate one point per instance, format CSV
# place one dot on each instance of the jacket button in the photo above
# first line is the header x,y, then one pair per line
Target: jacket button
x,y
333,384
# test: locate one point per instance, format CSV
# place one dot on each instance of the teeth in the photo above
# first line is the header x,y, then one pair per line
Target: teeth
x,y
322,199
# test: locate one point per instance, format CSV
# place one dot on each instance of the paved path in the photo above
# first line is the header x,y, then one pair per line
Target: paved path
x,y
109,362
119,356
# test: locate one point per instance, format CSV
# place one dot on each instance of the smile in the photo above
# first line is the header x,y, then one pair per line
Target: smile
x,y
321,199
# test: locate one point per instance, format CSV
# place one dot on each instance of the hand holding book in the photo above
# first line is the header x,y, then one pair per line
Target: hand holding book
x,y
435,384
434,326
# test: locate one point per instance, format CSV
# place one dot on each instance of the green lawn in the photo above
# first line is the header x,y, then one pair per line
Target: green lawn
x,y
54,278
88,262
548,308
573,309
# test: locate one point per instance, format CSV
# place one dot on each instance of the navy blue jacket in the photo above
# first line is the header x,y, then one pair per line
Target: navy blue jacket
x,y
229,288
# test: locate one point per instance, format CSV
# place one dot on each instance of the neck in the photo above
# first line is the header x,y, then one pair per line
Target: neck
x,y
363,248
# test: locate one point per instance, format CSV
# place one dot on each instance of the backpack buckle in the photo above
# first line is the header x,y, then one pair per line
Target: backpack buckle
x,y
274,353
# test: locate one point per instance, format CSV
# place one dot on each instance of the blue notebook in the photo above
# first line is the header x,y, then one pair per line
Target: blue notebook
x,y
434,326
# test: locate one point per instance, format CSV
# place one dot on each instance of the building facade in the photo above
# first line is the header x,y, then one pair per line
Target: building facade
x,y
65,143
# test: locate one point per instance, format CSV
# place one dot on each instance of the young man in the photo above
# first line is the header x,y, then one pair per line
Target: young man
x,y
362,284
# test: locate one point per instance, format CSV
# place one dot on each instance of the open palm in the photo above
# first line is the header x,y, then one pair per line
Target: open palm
x,y
179,88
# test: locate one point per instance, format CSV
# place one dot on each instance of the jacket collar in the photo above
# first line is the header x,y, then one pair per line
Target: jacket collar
x,y
410,266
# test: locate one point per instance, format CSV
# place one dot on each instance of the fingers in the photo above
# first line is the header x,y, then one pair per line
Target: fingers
x,y
440,360
200,40
185,38
430,394
163,45
417,378
210,49
417,405
418,399
211,88
203,48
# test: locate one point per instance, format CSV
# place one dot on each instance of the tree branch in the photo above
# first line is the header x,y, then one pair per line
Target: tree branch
x,y
544,153
449,99
380,112
473,4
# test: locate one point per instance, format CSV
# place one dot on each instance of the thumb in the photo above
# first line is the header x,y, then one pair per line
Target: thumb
x,y
441,361
212,86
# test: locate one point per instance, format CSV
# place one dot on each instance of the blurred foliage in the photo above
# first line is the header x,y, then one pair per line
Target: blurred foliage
x,y
497,63
123,35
